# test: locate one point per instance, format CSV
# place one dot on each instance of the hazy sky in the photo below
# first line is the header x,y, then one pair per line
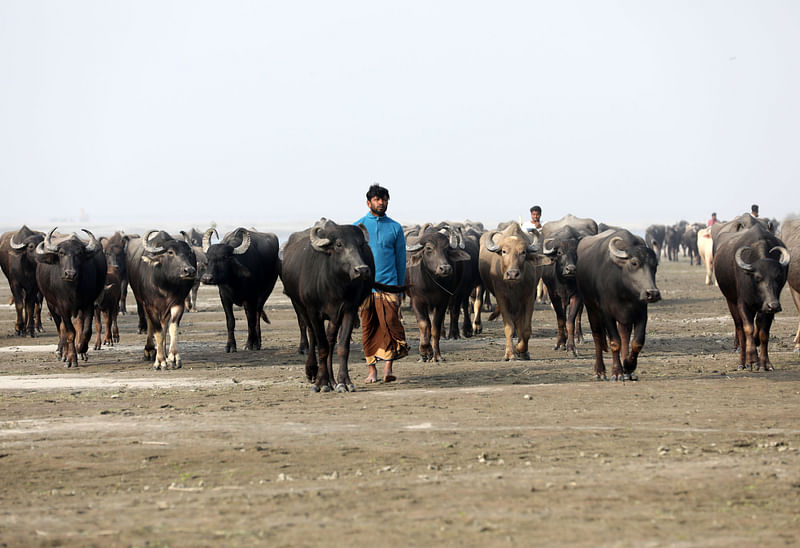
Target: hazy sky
x,y
630,112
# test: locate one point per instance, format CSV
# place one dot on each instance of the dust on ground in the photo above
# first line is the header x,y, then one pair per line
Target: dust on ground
x,y
234,449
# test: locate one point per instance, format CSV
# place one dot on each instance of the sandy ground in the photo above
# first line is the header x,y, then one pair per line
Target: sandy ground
x,y
234,449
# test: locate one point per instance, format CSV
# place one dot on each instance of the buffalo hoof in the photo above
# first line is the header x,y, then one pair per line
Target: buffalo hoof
x,y
341,387
326,388
314,388
351,387
522,355
85,357
766,367
630,377
600,378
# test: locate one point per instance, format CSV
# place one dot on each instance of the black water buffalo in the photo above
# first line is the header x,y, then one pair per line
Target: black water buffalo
x,y
433,276
561,246
107,306
751,268
469,236
327,272
115,247
71,274
616,277
18,262
790,235
161,272
202,266
244,266
509,266
654,237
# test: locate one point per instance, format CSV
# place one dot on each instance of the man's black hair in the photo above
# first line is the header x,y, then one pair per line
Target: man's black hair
x,y
379,191
754,208
536,208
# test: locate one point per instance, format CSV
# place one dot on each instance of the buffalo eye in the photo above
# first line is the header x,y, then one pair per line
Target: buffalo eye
x,y
635,263
758,277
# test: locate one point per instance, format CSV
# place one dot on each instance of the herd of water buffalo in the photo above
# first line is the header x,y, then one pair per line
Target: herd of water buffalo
x,y
328,270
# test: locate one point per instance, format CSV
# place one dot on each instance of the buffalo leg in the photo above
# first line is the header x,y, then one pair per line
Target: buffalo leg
x,y
523,328
84,332
561,321
230,322
436,330
20,326
109,324
174,322
71,356
123,287
764,322
253,312
424,324
796,299
477,306
615,347
149,344
37,312
323,380
599,337
572,319
99,327
302,347
345,330
466,324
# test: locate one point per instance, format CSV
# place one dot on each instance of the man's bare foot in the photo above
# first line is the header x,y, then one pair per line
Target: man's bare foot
x,y
370,379
387,372
372,374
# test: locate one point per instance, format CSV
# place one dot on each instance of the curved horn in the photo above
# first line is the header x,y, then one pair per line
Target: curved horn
x,y
186,237
318,242
490,244
614,250
93,245
547,248
48,246
740,262
242,247
536,238
150,248
15,245
207,238
785,256
412,243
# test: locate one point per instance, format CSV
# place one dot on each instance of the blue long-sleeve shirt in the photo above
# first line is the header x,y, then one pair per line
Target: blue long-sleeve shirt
x,y
388,244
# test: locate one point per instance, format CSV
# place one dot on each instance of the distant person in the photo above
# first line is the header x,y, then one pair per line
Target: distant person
x,y
754,210
713,220
536,219
382,333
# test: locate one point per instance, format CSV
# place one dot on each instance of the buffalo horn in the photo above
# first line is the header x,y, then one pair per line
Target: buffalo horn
x,y
242,247
149,248
15,245
490,243
186,237
48,246
94,245
207,238
547,248
615,251
413,244
740,262
318,242
785,257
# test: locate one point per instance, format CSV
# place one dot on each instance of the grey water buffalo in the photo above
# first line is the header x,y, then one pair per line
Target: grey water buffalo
x,y
161,272
433,275
509,265
327,271
71,274
616,277
106,307
18,262
790,235
751,267
244,266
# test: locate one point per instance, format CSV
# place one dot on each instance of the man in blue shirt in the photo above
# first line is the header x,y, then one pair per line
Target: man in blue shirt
x,y
382,333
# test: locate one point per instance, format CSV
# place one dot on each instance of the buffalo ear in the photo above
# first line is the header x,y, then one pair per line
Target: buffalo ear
x,y
458,255
413,259
538,259
364,230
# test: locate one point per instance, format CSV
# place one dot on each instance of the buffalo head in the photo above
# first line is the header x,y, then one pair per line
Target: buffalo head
x,y
638,263
347,246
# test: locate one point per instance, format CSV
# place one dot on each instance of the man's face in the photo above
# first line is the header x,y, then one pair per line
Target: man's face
x,y
535,216
377,206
